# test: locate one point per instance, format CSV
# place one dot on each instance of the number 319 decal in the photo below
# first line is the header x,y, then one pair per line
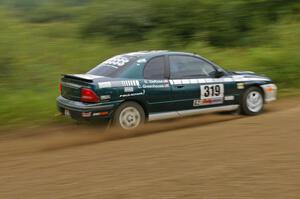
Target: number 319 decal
x,y
212,91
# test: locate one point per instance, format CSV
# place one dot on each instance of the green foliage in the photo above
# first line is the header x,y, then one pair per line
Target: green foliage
x,y
48,14
117,19
41,39
221,24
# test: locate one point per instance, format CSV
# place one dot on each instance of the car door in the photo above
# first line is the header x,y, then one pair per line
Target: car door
x,y
156,85
194,83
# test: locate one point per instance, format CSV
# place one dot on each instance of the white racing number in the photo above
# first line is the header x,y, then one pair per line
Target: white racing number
x,y
212,91
117,61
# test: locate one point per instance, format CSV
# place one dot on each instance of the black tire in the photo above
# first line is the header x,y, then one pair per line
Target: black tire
x,y
134,113
255,108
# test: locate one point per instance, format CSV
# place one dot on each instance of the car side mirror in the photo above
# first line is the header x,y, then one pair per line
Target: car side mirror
x,y
219,73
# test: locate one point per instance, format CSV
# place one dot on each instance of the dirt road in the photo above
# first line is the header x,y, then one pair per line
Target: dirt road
x,y
211,156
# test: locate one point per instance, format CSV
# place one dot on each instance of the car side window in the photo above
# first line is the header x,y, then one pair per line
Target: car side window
x,y
185,67
155,68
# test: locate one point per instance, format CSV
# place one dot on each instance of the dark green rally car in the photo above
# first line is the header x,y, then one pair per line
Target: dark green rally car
x,y
133,88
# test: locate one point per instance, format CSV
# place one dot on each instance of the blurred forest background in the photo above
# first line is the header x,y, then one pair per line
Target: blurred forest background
x,y
40,39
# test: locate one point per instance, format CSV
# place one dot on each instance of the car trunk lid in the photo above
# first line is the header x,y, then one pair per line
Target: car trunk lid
x,y
72,84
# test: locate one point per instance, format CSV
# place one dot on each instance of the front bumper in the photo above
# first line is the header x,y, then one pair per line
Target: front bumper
x,y
270,92
83,111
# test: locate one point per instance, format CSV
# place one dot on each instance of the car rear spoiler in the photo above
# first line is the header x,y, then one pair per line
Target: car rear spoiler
x,y
81,77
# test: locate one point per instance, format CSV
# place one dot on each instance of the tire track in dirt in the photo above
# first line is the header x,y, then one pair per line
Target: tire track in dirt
x,y
50,138
246,157
68,136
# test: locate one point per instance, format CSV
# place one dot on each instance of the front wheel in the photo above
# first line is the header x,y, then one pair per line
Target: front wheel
x,y
129,116
252,102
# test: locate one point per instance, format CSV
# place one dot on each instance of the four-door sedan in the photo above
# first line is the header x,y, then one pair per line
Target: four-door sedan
x,y
133,88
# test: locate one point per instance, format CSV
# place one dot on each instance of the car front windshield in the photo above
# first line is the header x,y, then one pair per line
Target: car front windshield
x,y
113,66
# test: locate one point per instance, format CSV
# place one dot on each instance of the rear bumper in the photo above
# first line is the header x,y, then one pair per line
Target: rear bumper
x,y
84,111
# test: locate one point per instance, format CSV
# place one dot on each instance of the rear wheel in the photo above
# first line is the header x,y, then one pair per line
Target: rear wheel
x,y
129,116
252,102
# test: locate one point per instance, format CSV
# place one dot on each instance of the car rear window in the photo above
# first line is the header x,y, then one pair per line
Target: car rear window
x,y
113,66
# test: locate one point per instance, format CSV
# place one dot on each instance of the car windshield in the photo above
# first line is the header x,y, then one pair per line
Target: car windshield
x,y
113,66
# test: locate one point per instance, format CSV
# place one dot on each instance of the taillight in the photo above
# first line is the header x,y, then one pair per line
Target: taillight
x,y
87,95
60,88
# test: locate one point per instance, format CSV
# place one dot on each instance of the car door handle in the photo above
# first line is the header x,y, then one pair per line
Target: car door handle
x,y
180,86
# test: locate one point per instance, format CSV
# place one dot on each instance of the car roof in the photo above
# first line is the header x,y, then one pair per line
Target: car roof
x,y
154,53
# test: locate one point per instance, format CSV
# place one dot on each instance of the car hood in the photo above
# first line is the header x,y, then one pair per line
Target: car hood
x,y
249,75
243,72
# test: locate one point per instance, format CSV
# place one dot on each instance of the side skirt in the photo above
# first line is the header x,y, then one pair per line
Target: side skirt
x,y
175,114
